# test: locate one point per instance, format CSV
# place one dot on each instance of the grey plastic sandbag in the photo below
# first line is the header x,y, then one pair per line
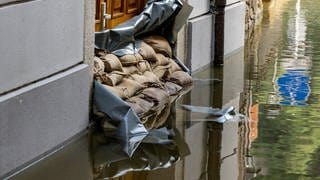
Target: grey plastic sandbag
x,y
130,129
161,16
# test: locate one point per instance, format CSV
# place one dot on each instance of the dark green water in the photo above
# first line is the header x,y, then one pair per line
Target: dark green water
x,y
284,83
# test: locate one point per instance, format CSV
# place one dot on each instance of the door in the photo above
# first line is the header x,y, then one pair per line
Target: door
x,y
110,13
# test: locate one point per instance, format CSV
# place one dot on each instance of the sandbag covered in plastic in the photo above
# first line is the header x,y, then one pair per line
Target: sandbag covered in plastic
x,y
165,17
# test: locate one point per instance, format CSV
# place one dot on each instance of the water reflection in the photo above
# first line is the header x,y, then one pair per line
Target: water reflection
x,y
282,87
191,145
293,83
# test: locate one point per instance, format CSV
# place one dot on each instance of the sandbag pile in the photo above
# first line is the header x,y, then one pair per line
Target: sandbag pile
x,y
146,80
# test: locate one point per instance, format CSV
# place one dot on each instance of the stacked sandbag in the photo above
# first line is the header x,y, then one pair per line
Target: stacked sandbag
x,y
145,80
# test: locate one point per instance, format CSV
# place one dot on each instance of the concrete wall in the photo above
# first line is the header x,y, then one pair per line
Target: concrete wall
x,y
45,85
39,38
208,37
200,32
229,30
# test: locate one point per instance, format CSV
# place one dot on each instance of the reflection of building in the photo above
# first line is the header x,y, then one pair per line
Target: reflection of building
x,y
254,120
293,84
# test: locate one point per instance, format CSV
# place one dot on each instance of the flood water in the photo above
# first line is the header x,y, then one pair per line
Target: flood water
x,y
274,82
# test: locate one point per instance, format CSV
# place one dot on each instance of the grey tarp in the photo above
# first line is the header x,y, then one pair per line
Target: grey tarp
x,y
161,149
130,130
163,17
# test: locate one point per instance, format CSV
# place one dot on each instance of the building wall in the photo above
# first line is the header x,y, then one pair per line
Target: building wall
x,y
209,38
45,48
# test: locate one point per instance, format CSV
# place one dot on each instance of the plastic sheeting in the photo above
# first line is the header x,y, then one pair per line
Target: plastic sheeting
x,y
130,130
162,17
160,149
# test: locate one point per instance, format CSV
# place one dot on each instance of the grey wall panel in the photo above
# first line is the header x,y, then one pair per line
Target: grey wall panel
x,y
39,38
40,116
200,41
234,29
199,7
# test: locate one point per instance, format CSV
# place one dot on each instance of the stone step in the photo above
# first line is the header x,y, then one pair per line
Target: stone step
x,y
42,115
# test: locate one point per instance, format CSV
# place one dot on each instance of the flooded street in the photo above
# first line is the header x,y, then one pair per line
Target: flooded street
x,y
272,133
283,87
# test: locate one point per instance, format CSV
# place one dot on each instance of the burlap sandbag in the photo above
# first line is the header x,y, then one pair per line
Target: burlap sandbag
x,y
147,52
172,88
151,76
148,78
174,67
144,104
111,63
113,79
162,116
156,95
131,70
162,60
180,77
159,44
101,77
98,65
119,91
143,66
130,59
161,72
137,108
132,87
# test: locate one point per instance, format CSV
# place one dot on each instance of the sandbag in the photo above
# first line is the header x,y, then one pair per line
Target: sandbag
x,y
136,108
111,63
180,77
119,91
161,117
147,52
130,59
156,95
141,79
172,88
162,60
174,67
98,65
144,104
131,87
151,76
101,77
161,72
159,44
143,66
113,79
131,70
